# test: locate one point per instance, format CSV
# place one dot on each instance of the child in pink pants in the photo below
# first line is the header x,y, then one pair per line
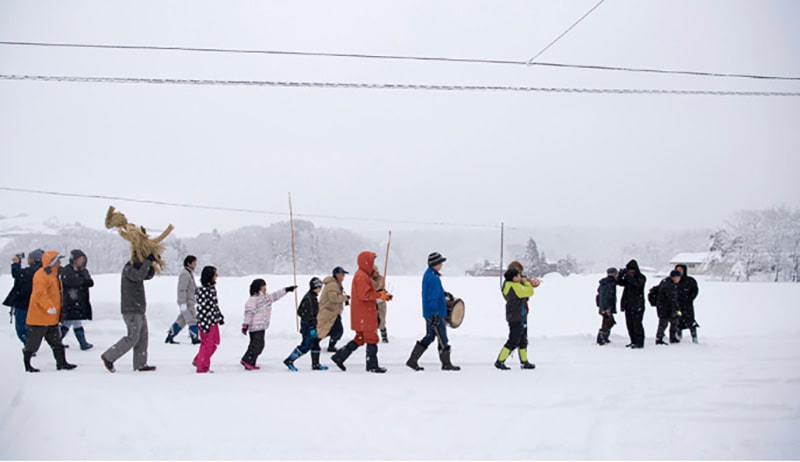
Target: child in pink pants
x,y
209,318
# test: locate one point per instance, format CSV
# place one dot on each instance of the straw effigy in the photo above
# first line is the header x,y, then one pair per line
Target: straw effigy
x,y
141,244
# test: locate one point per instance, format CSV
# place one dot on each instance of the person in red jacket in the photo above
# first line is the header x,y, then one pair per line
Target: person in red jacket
x,y
363,315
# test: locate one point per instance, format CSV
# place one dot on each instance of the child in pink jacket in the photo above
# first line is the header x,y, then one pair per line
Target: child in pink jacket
x,y
257,313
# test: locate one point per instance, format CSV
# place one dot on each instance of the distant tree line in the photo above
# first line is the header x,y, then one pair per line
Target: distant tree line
x,y
536,263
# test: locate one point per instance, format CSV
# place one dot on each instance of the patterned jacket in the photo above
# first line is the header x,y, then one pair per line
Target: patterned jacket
x,y
208,313
258,310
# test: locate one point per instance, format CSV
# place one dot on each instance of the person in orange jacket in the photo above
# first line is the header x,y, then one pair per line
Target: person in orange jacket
x,y
44,313
363,315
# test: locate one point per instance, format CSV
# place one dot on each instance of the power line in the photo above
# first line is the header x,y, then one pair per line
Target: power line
x,y
400,58
530,61
390,86
243,210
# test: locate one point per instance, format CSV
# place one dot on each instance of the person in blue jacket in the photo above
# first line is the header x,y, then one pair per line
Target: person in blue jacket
x,y
434,310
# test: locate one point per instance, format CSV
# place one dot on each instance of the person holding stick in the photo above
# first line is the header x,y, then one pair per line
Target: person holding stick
x,y
363,315
308,312
434,310
379,282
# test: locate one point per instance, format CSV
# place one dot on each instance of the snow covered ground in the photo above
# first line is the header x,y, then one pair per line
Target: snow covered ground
x,y
736,395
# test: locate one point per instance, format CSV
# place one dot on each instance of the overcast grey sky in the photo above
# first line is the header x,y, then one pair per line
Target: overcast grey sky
x,y
526,159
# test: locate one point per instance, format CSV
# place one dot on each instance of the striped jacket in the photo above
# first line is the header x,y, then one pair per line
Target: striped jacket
x,y
258,310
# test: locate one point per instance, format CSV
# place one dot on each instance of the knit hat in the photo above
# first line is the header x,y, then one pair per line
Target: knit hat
x,y
675,273
339,270
611,271
315,283
510,274
435,258
36,255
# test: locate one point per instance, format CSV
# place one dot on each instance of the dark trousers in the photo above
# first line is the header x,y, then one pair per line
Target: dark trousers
x,y
662,326
20,315
337,330
608,323
308,343
517,336
431,329
52,334
255,347
633,321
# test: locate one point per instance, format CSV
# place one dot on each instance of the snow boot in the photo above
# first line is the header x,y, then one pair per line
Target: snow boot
x,y
660,341
148,368
501,359
384,336
444,357
372,360
693,330
172,332
343,353
523,360
80,334
194,335
601,339
416,353
61,360
26,358
315,365
248,367
108,364
331,346
289,362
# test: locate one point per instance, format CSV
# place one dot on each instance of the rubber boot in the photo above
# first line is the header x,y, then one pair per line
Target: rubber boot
x,y
331,346
601,338
444,356
61,360
194,335
523,360
372,360
693,330
26,358
64,331
343,353
416,353
80,334
501,359
289,362
384,336
315,365
172,332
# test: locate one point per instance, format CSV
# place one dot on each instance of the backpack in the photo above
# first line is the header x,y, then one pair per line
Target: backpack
x,y
652,296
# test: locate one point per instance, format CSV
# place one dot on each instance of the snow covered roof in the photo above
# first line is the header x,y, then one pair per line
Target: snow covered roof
x,y
690,257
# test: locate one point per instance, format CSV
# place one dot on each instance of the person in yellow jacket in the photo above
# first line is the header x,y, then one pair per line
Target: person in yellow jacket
x,y
44,313
516,290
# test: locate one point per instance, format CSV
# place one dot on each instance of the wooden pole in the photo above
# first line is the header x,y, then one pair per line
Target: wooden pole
x,y
294,263
386,264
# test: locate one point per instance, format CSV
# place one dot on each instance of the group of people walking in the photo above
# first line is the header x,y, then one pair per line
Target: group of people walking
x,y
673,298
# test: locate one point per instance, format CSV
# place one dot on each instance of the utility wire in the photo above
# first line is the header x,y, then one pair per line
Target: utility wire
x,y
530,61
243,210
398,57
389,86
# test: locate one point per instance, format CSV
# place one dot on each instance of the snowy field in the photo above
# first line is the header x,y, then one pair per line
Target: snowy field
x,y
736,395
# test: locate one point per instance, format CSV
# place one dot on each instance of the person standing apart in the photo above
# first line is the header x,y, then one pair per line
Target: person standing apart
x,y
607,304
434,310
44,313
186,303
134,310
209,318
76,282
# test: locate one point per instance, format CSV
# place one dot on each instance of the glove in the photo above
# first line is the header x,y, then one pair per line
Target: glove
x,y
290,288
386,296
313,333
245,328
51,310
183,307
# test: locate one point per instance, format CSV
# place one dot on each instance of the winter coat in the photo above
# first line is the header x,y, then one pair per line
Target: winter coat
x,y
76,283
607,295
687,291
331,305
363,305
20,294
186,289
133,277
433,298
667,306
46,294
517,295
633,288
208,313
258,310
309,309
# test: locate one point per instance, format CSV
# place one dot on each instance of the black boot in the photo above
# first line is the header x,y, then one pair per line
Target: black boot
x,y
372,360
331,346
416,353
80,334
26,358
315,365
601,339
342,354
61,360
660,341
384,336
444,356
693,330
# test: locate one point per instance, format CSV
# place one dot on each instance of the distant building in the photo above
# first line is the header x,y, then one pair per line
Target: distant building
x,y
696,262
487,270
